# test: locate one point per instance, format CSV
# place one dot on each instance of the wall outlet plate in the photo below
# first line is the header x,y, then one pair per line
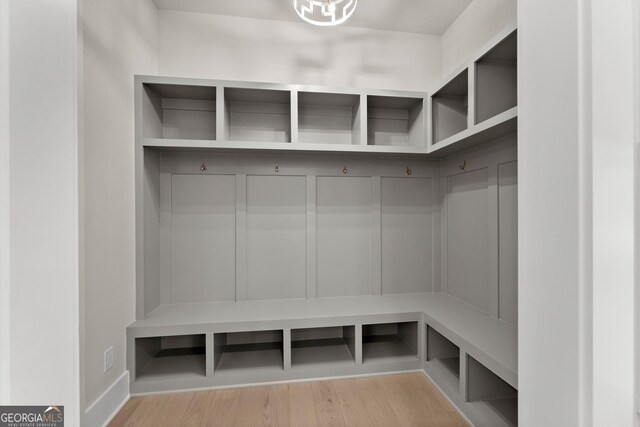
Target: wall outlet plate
x,y
108,359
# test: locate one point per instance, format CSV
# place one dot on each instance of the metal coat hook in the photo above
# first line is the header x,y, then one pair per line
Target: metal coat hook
x,y
344,170
463,165
203,167
409,171
277,169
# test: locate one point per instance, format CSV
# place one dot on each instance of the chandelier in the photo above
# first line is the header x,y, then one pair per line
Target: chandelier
x,y
325,12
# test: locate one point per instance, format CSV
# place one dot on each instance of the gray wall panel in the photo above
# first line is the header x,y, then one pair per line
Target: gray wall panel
x,y
508,240
343,236
203,238
276,237
468,237
407,235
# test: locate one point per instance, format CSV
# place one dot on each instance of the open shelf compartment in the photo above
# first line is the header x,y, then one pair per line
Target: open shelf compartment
x,y
329,118
395,121
496,79
261,115
243,351
167,357
443,358
450,108
389,341
323,346
491,395
172,111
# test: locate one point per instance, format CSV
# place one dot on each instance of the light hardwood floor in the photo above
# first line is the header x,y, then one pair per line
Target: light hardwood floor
x,y
385,401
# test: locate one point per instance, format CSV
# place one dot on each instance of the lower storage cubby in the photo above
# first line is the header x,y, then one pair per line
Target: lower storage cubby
x,y
243,351
169,357
490,395
443,359
323,346
385,341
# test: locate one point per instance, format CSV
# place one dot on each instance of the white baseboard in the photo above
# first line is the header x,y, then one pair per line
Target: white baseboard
x,y
102,411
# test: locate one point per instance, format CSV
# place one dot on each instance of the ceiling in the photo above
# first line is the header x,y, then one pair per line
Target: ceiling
x,y
415,16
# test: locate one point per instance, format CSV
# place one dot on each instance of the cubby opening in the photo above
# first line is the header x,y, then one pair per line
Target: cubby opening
x,y
395,121
443,358
496,79
168,357
491,393
329,118
261,115
321,346
178,111
389,341
243,351
450,108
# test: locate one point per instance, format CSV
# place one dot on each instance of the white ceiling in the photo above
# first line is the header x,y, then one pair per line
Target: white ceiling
x,y
416,16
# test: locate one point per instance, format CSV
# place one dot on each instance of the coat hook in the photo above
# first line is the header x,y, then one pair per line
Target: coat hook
x,y
463,165
409,171
203,167
277,169
344,170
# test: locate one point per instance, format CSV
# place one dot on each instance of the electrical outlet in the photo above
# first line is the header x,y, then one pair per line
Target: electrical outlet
x,y
108,359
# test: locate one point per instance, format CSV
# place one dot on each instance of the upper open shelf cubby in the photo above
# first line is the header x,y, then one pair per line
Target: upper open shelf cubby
x,y
395,121
496,79
172,111
450,107
257,115
329,118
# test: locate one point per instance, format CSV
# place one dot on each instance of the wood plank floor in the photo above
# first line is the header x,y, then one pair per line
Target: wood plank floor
x,y
389,400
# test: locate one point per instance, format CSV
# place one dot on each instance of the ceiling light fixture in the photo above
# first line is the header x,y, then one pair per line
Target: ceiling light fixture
x,y
325,12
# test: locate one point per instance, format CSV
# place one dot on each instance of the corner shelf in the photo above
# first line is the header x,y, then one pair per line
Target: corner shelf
x,y
170,357
450,108
395,121
323,346
389,341
494,128
244,351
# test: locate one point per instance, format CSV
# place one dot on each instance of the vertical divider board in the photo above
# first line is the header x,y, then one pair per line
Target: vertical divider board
x,y
450,108
286,351
364,120
222,127
241,237
376,236
295,132
311,236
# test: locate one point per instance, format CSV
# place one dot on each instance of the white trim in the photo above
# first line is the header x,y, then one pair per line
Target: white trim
x,y
5,372
105,407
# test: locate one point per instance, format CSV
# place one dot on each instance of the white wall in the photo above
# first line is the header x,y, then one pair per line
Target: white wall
x,y
120,40
224,47
475,27
43,172
576,224
612,127
4,205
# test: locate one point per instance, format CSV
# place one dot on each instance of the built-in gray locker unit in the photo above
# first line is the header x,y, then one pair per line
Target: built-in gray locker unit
x,y
292,232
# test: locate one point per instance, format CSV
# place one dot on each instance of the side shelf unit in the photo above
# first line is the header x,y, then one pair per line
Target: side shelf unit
x,y
482,395
479,102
